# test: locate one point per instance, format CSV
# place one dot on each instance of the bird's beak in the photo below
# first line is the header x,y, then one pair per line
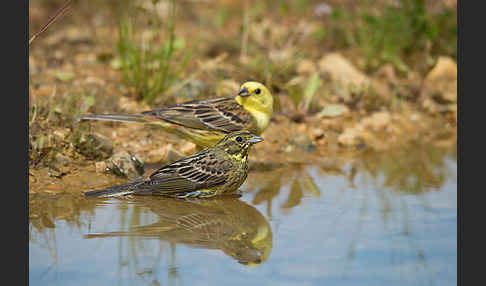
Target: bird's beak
x,y
244,92
255,139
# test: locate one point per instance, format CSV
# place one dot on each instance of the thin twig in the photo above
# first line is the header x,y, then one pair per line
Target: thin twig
x,y
58,13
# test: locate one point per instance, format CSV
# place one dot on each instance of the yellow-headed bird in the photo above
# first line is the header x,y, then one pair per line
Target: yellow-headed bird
x,y
213,171
205,122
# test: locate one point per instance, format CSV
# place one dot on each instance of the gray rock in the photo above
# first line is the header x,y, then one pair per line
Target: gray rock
x,y
124,164
303,142
94,146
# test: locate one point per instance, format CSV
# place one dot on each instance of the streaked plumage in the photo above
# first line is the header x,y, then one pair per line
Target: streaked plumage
x,y
225,223
205,122
222,168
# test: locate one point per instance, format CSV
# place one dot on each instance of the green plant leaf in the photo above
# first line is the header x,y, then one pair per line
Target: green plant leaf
x,y
295,94
64,75
116,63
90,100
179,44
311,88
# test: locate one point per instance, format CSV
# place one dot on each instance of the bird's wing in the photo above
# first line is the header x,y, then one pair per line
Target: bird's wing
x,y
223,114
198,171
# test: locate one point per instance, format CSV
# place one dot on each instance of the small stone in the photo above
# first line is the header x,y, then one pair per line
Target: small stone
x,y
158,155
431,106
340,70
125,164
188,148
318,136
333,110
57,171
94,146
288,149
301,128
377,121
172,155
317,133
302,141
58,54
350,137
101,167
61,159
306,67
441,81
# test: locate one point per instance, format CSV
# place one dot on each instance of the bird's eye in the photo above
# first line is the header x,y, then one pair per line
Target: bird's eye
x,y
257,91
239,139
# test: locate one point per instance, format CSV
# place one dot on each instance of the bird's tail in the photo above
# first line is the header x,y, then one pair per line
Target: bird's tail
x,y
115,191
139,118
116,117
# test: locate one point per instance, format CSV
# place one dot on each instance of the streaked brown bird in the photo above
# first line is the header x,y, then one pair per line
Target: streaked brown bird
x,y
205,122
225,223
213,171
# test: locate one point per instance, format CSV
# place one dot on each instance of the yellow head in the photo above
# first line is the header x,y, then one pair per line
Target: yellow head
x,y
258,100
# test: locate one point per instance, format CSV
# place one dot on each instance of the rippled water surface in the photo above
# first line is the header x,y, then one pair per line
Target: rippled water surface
x,y
381,219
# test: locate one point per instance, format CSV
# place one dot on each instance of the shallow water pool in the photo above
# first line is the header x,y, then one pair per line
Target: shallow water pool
x,y
380,219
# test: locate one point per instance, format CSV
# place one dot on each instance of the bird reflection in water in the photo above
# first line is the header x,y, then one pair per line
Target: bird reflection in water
x,y
225,223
